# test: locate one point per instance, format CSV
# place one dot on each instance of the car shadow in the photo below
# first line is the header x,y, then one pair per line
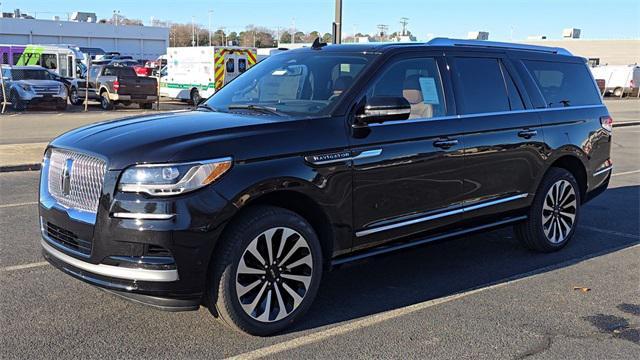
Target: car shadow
x,y
448,267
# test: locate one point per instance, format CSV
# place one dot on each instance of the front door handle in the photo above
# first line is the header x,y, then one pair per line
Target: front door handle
x,y
527,134
445,143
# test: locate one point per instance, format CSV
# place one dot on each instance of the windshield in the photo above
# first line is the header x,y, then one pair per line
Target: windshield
x,y
299,83
30,74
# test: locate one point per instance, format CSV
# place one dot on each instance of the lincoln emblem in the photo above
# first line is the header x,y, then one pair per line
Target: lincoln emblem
x,y
65,182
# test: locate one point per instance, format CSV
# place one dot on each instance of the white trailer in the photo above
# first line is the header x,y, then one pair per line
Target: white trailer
x,y
193,73
618,79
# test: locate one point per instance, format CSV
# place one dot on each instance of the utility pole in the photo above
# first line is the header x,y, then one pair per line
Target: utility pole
x,y
337,23
193,31
404,21
210,13
382,30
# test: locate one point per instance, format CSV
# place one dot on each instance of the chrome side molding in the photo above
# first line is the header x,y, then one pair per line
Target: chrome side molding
x,y
603,170
441,215
342,156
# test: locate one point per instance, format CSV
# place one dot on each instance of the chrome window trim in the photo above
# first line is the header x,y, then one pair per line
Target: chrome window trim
x,y
112,271
441,215
496,113
604,170
142,216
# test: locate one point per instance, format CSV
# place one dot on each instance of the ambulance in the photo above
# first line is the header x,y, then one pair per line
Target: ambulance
x,y
194,73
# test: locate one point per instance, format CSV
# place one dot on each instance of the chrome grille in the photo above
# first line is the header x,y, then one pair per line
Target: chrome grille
x,y
79,185
46,89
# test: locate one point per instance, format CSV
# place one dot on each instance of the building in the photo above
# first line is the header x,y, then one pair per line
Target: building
x,y
140,42
599,52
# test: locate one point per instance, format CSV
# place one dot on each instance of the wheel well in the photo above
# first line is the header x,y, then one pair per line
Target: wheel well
x,y
308,209
576,168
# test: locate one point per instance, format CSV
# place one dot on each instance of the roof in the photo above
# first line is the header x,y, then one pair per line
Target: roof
x,y
24,67
443,42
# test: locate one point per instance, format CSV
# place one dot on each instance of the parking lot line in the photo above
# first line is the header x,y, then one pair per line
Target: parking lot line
x,y
18,204
626,173
610,232
23,266
392,314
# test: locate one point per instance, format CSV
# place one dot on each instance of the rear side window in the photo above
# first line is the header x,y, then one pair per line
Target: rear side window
x,y
480,86
564,84
119,71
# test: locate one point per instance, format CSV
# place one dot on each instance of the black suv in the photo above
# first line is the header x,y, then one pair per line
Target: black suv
x,y
320,156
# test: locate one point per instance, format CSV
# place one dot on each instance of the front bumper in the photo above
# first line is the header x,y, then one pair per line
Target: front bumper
x,y
189,238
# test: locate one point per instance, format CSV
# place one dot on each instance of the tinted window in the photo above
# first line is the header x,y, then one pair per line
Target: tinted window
x,y
480,87
230,66
564,84
93,73
418,81
242,65
119,71
515,99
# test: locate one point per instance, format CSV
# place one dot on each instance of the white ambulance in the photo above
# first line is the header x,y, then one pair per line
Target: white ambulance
x,y
194,73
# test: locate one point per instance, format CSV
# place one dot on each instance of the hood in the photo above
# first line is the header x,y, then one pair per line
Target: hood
x,y
174,137
38,82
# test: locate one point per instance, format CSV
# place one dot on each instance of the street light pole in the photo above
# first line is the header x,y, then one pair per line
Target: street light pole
x,y
337,23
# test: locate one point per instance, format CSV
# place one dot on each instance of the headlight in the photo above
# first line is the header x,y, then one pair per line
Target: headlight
x,y
26,87
172,179
62,90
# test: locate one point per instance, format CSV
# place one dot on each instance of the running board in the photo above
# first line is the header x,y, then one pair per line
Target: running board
x,y
394,247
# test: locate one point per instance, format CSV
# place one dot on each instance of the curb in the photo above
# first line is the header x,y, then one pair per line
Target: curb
x,y
21,167
626,123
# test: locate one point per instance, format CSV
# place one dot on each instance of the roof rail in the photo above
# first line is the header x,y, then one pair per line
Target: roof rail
x,y
498,45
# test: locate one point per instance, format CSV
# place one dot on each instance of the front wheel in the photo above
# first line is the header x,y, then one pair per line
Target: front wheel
x,y
17,103
553,216
74,98
266,272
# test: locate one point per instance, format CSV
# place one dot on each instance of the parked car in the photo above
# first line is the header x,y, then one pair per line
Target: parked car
x,y
28,86
619,80
114,84
322,156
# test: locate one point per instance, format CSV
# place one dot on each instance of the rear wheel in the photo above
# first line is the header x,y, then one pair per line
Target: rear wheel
x,y
145,105
617,92
195,96
554,213
267,271
105,102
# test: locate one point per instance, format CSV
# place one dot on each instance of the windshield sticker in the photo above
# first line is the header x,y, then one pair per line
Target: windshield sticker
x,y
429,90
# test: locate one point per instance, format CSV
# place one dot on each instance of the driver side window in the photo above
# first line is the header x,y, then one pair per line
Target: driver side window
x,y
418,81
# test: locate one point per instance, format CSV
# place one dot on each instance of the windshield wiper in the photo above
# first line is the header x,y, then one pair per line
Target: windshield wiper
x,y
265,109
206,106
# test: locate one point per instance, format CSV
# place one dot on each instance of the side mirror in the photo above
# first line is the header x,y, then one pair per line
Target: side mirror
x,y
384,108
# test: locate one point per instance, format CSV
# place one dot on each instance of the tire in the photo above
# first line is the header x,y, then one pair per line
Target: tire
x,y
551,223
618,92
195,97
73,97
16,103
105,102
145,105
235,268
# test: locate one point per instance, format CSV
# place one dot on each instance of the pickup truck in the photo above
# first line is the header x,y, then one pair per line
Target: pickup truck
x,y
113,84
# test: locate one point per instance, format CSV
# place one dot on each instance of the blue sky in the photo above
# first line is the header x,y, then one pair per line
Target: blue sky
x,y
504,19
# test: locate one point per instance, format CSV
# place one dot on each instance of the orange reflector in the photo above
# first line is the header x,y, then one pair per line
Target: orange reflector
x,y
217,171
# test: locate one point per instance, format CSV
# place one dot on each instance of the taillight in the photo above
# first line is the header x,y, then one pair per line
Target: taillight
x,y
116,85
607,123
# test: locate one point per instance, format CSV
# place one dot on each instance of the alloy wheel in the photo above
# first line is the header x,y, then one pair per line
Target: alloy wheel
x,y
559,211
274,274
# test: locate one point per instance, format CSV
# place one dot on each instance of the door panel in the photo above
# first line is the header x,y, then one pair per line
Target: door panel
x,y
415,175
503,142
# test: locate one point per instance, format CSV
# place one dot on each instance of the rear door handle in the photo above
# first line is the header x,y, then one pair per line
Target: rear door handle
x,y
528,134
445,143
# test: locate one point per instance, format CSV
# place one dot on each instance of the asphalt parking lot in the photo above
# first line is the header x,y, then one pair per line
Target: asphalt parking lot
x,y
480,296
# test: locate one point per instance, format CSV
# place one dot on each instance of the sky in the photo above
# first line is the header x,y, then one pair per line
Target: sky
x,y
504,19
